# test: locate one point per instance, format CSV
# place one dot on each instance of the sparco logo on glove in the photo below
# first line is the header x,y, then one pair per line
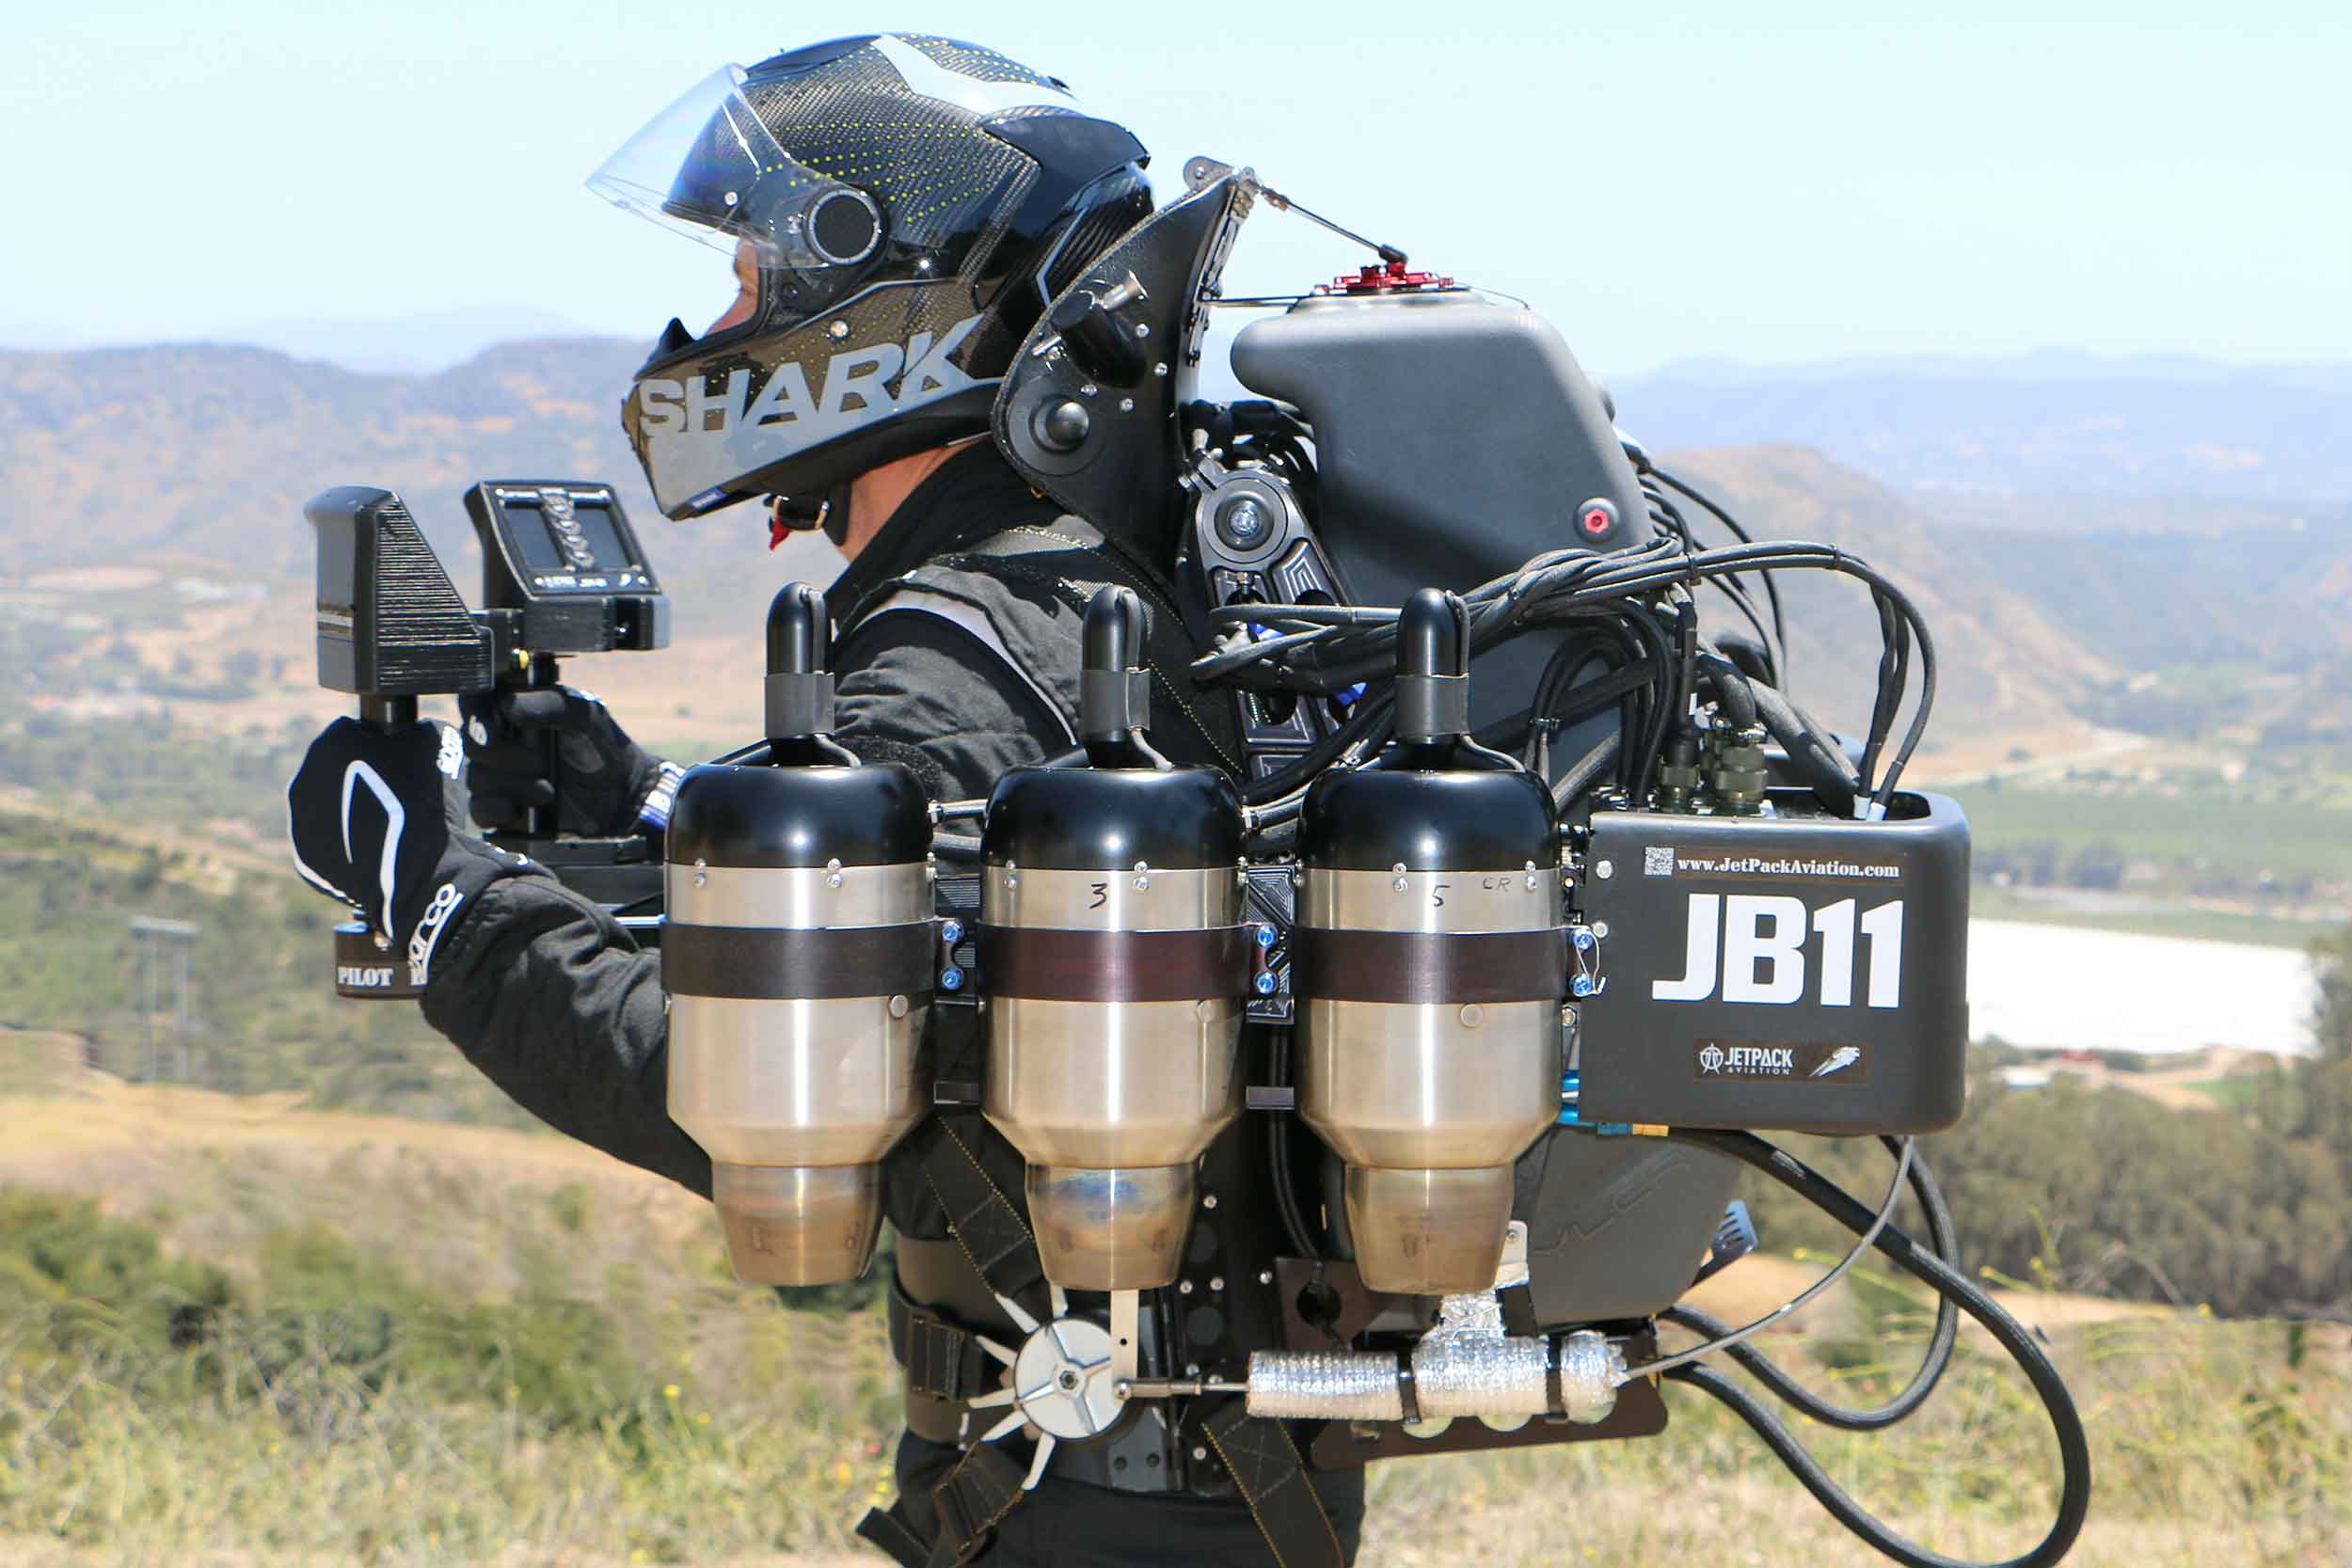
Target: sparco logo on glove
x,y
374,816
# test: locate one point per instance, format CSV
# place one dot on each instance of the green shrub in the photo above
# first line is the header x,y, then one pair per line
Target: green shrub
x,y
97,1276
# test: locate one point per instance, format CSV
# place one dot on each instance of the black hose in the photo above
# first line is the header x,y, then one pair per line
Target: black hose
x,y
1931,1364
1560,586
1894,674
1813,754
1636,766
1948,1281
1734,694
1772,591
1279,1154
1586,771
955,847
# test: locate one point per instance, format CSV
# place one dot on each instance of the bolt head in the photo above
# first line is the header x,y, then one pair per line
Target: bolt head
x,y
1244,522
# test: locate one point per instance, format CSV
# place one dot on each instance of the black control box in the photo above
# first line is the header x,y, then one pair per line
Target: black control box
x,y
561,570
391,624
1794,972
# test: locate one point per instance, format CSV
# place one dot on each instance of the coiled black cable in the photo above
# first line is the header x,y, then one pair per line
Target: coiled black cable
x,y
1931,1364
1948,1281
1322,649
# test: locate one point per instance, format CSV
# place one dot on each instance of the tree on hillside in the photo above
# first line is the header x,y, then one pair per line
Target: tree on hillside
x,y
2324,1081
2331,1022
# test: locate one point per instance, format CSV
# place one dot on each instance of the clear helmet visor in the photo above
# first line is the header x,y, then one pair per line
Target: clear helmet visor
x,y
708,167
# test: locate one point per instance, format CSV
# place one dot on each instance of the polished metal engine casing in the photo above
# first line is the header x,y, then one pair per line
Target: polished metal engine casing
x,y
797,1099
1111,1102
1429,1102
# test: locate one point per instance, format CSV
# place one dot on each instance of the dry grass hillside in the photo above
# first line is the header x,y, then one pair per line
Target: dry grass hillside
x,y
2217,1443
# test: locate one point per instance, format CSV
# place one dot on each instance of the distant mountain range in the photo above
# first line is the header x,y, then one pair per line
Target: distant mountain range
x,y
2047,600
410,346
210,451
2041,425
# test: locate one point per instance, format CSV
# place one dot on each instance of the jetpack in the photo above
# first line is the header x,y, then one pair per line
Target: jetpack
x,y
1539,901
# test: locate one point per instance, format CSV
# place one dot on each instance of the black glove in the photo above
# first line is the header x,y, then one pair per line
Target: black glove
x,y
377,818
603,783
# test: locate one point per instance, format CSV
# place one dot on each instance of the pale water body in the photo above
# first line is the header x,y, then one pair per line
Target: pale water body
x,y
2117,990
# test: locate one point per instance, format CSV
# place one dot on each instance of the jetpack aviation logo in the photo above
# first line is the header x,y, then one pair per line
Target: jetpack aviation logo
x,y
1780,1061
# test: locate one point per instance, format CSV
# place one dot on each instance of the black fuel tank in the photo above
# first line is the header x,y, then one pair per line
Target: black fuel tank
x,y
1455,436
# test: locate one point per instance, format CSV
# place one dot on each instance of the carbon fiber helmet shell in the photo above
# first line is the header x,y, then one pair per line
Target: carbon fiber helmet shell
x,y
913,203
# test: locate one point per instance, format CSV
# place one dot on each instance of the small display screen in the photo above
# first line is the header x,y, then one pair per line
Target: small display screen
x,y
534,540
602,538
566,536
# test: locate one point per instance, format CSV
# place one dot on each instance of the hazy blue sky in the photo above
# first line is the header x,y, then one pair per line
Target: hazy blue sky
x,y
1758,181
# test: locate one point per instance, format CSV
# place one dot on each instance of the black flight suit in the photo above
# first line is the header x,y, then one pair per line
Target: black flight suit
x,y
958,657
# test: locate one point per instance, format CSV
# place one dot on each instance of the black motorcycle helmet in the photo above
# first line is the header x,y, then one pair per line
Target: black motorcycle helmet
x,y
911,204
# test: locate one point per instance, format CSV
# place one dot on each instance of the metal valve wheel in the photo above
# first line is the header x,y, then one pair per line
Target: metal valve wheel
x,y
1064,1383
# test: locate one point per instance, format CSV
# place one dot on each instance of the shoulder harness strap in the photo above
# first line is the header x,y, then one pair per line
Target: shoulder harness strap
x,y
914,599
980,1217
968,1503
1268,1474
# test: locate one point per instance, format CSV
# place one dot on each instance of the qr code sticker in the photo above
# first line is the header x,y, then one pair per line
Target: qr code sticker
x,y
1658,861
